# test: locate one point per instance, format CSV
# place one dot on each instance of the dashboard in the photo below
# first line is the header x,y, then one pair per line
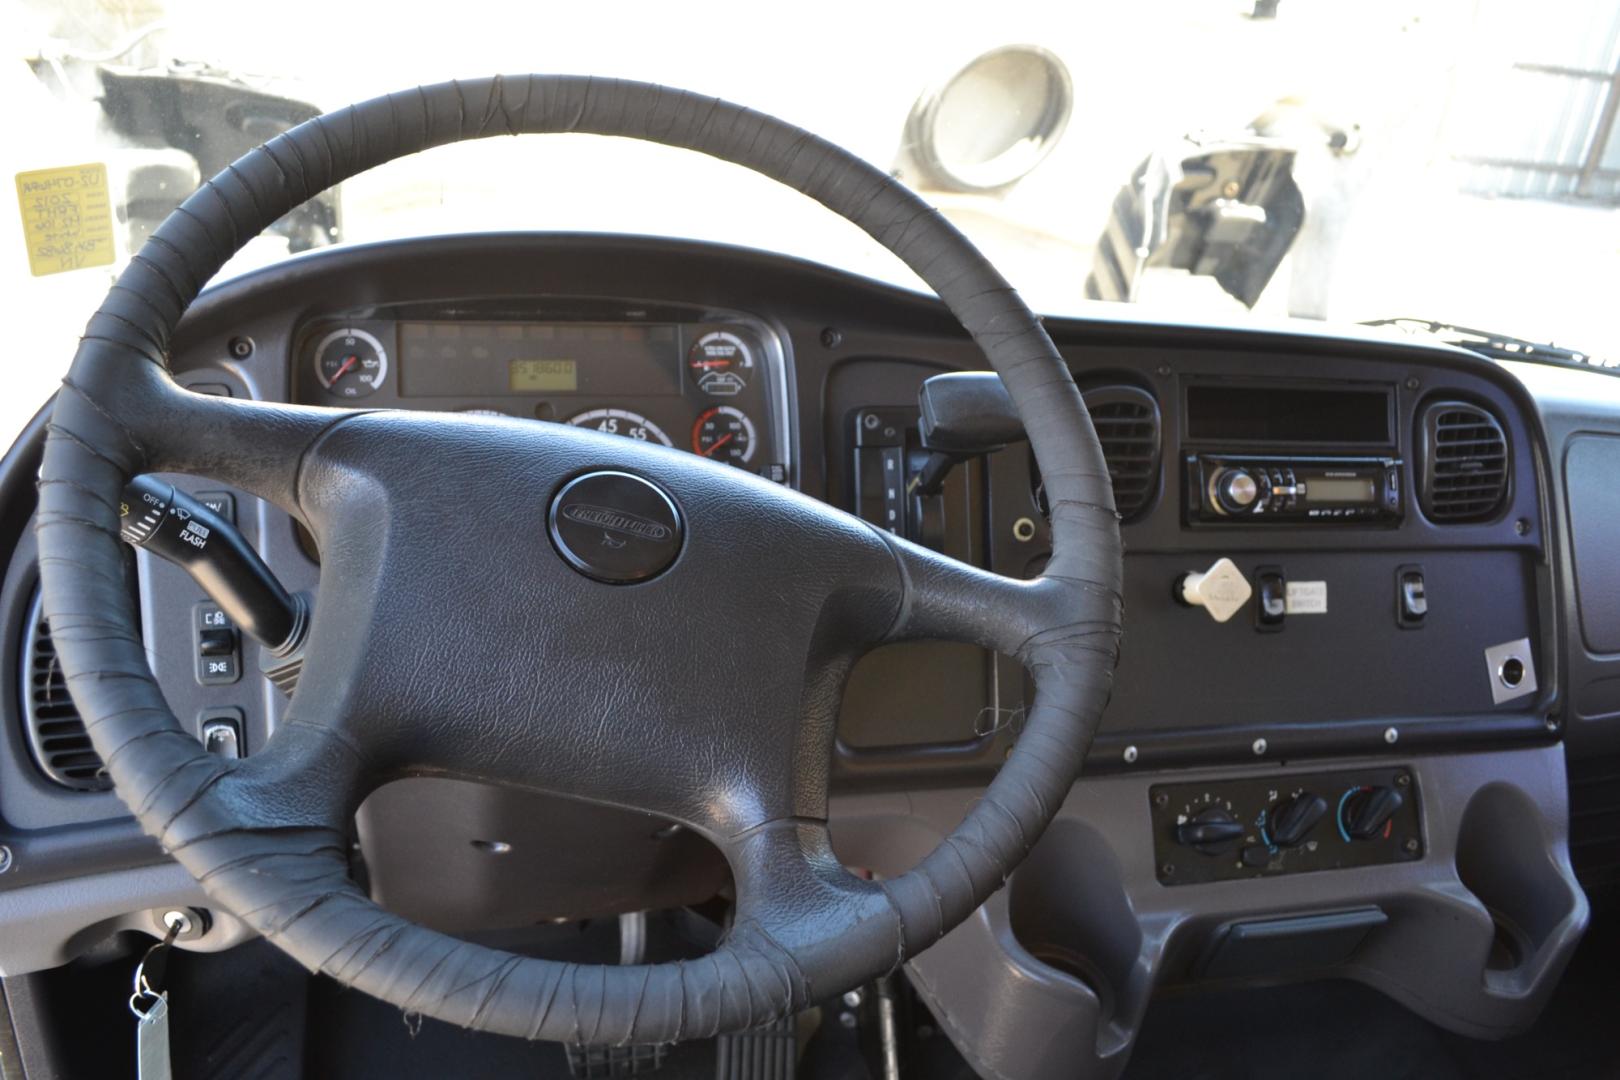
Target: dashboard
x,y
1360,750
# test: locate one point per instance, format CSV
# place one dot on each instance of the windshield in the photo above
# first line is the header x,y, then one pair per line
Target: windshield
x,y
1448,160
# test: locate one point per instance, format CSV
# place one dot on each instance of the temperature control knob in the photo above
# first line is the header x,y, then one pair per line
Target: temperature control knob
x,y
1365,812
1293,819
1212,831
1236,490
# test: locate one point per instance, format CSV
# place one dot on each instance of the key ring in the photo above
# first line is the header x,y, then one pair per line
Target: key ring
x,y
135,1000
142,990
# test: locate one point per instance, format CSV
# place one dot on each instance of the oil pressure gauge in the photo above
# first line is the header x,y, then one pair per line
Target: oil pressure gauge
x,y
350,363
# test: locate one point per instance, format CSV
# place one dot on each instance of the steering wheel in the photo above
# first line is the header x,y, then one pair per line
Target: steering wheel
x,y
502,601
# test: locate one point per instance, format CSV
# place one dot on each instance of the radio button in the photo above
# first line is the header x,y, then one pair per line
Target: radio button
x,y
1392,490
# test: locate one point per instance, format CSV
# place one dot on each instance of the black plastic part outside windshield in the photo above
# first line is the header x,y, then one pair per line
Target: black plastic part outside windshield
x,y
1500,346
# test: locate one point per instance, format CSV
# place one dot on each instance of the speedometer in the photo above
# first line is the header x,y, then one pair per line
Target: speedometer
x,y
621,422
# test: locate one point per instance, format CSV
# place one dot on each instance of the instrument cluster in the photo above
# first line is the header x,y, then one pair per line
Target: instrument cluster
x,y
714,385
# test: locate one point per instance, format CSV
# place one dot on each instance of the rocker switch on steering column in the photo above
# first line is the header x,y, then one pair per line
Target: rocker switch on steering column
x,y
218,646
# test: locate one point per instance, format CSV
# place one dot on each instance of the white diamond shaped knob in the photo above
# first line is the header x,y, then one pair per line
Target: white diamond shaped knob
x,y
1222,590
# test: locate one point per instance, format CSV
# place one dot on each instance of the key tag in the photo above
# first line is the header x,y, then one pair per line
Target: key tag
x,y
150,1004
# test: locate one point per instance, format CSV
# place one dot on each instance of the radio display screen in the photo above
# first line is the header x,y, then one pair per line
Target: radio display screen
x,y
463,358
1340,490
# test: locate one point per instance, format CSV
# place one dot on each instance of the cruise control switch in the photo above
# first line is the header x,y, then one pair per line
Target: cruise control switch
x,y
157,517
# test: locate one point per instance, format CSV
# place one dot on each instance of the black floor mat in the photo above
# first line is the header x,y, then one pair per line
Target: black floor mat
x,y
359,1037
1331,1030
1345,1031
354,1036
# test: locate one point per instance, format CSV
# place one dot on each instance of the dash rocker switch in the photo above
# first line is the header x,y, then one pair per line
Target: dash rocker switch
x,y
1272,606
222,503
221,732
1411,597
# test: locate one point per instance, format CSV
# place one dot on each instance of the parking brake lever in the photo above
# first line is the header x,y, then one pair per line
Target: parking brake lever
x,y
157,517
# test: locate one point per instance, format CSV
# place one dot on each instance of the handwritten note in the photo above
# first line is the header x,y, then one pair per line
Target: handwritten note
x,y
67,218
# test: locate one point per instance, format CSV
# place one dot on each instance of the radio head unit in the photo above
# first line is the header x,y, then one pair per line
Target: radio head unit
x,y
1286,489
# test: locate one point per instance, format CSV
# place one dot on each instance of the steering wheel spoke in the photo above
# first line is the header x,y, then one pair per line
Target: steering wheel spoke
x,y
252,445
944,599
120,405
791,887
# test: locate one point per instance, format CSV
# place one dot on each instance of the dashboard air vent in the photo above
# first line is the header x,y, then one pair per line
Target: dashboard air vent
x,y
1127,423
55,732
1464,467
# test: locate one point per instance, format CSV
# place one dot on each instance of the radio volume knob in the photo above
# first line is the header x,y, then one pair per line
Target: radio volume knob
x,y
1236,490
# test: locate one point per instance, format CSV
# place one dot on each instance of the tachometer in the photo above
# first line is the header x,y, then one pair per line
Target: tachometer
x,y
720,364
724,434
350,363
622,422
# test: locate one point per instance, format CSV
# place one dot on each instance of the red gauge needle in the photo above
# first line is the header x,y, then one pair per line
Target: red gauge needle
x,y
348,363
718,443
711,363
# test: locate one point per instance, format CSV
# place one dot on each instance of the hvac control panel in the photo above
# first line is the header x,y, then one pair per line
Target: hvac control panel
x,y
1229,830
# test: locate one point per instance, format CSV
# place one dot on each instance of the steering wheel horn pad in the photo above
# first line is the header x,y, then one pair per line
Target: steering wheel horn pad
x,y
615,527
566,610
683,694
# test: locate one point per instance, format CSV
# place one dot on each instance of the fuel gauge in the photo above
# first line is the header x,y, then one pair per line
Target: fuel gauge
x,y
720,364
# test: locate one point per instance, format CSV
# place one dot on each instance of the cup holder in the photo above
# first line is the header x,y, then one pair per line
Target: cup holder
x,y
1077,966
1510,946
1502,858
1069,912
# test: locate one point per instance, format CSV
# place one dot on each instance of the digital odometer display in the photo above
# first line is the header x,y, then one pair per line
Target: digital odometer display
x,y
483,359
542,376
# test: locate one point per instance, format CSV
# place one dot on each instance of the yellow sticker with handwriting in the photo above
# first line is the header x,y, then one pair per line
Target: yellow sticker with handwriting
x,y
67,218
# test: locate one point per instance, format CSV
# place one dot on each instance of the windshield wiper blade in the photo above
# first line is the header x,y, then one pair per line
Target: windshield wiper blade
x,y
1497,346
